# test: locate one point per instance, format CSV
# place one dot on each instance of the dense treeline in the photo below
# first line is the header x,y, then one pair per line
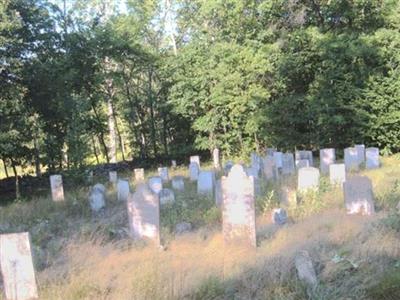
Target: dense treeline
x,y
99,81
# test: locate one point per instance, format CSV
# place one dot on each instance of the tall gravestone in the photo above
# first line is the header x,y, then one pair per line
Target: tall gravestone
x,y
216,162
304,154
351,159
155,184
193,171
139,174
57,190
278,157
359,196
372,158
288,164
238,213
360,153
113,177
308,179
327,157
337,174
195,159
205,182
178,183
270,171
123,190
163,173
17,267
144,214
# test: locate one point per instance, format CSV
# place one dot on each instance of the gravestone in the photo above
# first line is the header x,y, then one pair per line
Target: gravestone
x,y
163,173
123,190
194,171
90,177
288,196
337,174
218,193
205,182
308,179
238,213
270,151
302,163
251,171
173,164
228,166
360,153
256,162
351,159
144,214
16,267
178,183
99,187
327,157
372,158
304,154
57,190
288,164
278,157
270,172
97,199
195,159
359,196
166,196
155,184
279,216
139,174
216,159
305,269
113,177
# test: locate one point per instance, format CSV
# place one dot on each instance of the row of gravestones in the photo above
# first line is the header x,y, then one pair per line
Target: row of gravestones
x,y
236,191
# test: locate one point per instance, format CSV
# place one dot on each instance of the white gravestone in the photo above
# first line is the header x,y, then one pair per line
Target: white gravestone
x,y
123,190
97,197
360,153
337,174
166,196
351,159
304,154
359,196
57,190
113,177
173,164
139,174
278,157
270,172
372,158
288,164
195,159
17,267
193,171
327,157
155,184
205,182
178,183
308,179
238,213
144,214
216,162
163,173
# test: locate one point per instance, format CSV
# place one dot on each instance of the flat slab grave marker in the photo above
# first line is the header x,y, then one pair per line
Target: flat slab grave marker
x,y
351,159
155,184
278,157
113,177
372,158
337,174
327,157
270,171
304,154
123,190
360,153
17,267
97,199
139,174
57,190
163,173
238,212
308,179
205,182
194,171
288,164
359,196
195,159
166,196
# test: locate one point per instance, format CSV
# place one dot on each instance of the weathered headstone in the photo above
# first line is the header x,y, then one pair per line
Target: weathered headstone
x,y
166,196
278,157
163,173
144,214
194,171
238,213
372,158
308,179
205,182
305,154
351,159
155,184
195,159
256,162
139,174
360,153
113,177
288,164
17,267
57,190
97,197
216,162
302,163
327,157
305,269
358,195
337,174
173,164
99,187
123,190
218,193
178,183
270,172
279,216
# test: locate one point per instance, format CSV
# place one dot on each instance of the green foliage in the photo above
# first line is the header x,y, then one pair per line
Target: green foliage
x,y
387,288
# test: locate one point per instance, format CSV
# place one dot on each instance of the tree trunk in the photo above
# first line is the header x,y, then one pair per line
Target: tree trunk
x,y
5,168
95,150
101,136
17,191
37,158
153,126
112,132
121,145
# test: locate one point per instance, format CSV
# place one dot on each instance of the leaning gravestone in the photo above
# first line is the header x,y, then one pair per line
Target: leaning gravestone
x,y
195,159
327,157
270,171
205,182
351,159
288,164
139,175
57,190
359,196
216,162
144,214
278,157
304,154
155,184
337,174
360,153
123,190
113,177
97,197
238,213
178,183
308,179
372,158
194,171
163,173
17,267
166,196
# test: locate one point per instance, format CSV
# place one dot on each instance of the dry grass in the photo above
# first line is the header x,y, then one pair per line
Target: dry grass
x,y
89,257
